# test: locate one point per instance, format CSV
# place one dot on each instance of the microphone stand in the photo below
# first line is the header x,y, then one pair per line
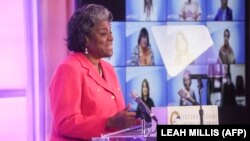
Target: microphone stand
x,y
143,120
143,127
200,86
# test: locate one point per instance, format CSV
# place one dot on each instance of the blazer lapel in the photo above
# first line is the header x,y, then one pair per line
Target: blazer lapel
x,y
93,74
98,79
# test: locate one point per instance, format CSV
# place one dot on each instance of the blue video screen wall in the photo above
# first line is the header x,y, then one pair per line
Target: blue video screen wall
x,y
223,62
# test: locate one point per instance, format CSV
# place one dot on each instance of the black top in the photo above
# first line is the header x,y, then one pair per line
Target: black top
x,y
140,112
228,95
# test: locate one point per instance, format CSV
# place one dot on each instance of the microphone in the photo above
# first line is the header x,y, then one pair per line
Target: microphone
x,y
186,95
139,101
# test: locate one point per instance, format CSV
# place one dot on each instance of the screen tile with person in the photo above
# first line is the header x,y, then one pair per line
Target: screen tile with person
x,y
187,81
228,90
186,10
209,55
146,10
156,80
141,49
225,10
181,45
229,41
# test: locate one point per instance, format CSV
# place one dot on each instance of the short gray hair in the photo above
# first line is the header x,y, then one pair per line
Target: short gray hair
x,y
81,23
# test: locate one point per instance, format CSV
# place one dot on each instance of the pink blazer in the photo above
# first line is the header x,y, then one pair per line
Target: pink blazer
x,y
81,100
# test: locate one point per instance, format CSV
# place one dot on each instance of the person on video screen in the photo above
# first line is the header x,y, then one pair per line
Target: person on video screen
x,y
240,91
148,10
142,54
224,13
190,11
228,92
182,55
145,95
226,52
187,87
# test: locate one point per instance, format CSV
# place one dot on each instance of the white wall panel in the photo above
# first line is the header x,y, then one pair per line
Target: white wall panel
x,y
13,119
13,45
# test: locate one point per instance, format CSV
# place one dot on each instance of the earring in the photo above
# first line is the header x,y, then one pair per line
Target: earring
x,y
86,50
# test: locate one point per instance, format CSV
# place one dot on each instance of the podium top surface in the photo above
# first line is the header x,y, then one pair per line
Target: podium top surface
x,y
128,134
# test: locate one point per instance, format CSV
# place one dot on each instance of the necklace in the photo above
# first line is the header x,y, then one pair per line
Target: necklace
x,y
100,71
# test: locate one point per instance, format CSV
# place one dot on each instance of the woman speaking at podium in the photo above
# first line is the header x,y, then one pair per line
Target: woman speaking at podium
x,y
85,95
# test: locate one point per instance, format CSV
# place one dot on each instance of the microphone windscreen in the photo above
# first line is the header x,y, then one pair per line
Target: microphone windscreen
x,y
183,93
134,95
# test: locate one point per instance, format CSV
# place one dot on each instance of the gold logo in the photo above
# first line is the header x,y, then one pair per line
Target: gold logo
x,y
175,118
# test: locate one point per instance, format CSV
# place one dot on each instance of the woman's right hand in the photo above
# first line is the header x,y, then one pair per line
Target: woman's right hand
x,y
123,119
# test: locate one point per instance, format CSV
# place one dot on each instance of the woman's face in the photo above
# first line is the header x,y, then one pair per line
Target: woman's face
x,y
144,42
224,3
144,89
226,38
187,82
100,39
